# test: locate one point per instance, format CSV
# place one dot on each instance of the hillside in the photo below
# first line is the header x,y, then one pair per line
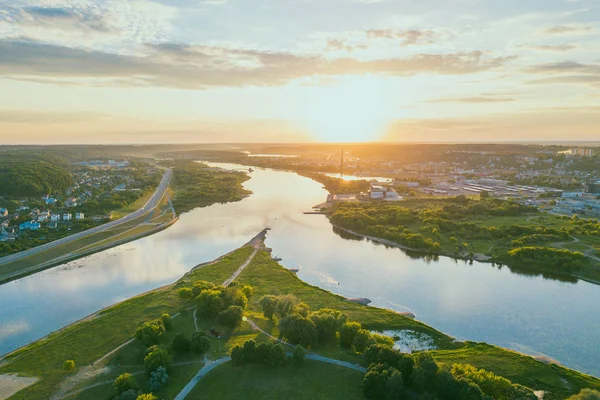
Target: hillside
x,y
36,177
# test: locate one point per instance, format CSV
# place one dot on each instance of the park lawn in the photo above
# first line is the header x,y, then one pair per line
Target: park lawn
x,y
519,368
313,380
268,277
90,339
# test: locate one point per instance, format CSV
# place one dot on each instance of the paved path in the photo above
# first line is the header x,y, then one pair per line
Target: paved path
x,y
152,203
240,269
209,366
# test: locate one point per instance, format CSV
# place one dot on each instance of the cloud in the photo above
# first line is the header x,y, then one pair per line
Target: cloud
x,y
200,67
568,30
408,37
83,19
480,99
558,47
566,72
42,117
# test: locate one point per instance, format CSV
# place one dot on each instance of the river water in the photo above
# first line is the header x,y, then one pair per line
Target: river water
x,y
477,302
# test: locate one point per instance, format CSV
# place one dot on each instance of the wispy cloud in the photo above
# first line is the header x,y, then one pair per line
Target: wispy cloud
x,y
480,99
568,30
557,47
199,67
566,72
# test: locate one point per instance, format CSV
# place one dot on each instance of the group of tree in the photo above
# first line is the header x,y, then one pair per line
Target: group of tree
x,y
128,389
151,332
393,375
24,177
546,258
199,185
197,344
265,353
227,304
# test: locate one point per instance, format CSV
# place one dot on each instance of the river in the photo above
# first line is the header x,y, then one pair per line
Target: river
x,y
477,302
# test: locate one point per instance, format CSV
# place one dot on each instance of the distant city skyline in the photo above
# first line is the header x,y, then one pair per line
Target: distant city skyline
x,y
215,71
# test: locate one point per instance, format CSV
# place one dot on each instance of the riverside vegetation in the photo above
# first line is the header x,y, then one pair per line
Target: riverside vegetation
x,y
502,232
175,326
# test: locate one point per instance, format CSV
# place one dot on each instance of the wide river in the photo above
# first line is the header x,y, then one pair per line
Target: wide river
x,y
476,302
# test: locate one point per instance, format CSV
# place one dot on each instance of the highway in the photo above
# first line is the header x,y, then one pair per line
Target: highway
x,y
150,204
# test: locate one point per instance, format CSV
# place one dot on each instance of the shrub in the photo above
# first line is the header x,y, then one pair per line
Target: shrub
x,y
166,320
151,332
146,396
181,344
268,305
124,382
348,333
277,355
199,344
185,293
69,365
157,357
586,394
299,355
158,378
231,318
209,302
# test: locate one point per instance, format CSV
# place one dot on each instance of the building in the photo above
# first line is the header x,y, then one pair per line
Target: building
x,y
590,187
71,202
50,201
29,226
55,217
79,216
67,217
3,212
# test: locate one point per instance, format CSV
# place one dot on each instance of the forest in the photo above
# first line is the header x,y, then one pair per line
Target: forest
x,y
197,185
500,231
22,177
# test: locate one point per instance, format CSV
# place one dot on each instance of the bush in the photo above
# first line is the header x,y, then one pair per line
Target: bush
x,y
298,330
69,365
130,394
348,333
199,344
262,353
231,318
146,396
181,344
158,378
166,320
362,340
185,293
277,355
586,394
156,357
209,303
299,355
151,332
124,382
268,305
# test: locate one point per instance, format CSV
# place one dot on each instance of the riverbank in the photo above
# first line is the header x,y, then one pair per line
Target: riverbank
x,y
100,334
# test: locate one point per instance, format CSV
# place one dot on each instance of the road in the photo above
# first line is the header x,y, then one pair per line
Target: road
x,y
152,203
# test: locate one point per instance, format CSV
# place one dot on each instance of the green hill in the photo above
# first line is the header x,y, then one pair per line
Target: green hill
x,y
22,177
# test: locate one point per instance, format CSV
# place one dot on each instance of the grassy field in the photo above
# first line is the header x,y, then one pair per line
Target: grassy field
x,y
90,339
133,207
519,368
312,381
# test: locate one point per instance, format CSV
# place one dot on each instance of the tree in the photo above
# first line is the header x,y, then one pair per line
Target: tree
x,y
185,293
151,332
268,305
362,340
209,302
69,365
249,350
348,333
157,357
586,394
199,343
166,320
248,291
199,286
146,396
124,382
262,354
302,309
374,382
328,322
231,318
298,330
277,355
237,355
285,305
158,378
299,355
130,394
425,372
181,344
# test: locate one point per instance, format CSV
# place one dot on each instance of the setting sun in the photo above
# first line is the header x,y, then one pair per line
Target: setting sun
x,y
354,109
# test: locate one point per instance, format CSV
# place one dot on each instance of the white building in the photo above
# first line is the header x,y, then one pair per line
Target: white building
x,y
55,217
67,217
79,216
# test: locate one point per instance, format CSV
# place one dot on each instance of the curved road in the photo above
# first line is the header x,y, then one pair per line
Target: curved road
x,y
152,203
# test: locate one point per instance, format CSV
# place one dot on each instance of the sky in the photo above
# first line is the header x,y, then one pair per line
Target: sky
x,y
179,71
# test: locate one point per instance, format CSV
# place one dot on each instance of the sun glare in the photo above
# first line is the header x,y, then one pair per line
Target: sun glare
x,y
355,109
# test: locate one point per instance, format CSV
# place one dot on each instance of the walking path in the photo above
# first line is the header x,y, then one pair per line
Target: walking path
x,y
209,366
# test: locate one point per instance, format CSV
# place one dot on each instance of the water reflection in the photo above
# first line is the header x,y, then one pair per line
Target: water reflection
x,y
475,301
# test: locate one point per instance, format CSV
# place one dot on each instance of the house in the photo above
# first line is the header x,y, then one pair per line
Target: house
x,y
29,225
120,188
23,208
55,217
44,214
3,212
79,216
67,217
43,218
71,202
50,201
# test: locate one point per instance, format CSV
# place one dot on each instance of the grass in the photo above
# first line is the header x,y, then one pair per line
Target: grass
x,y
519,368
312,381
133,207
268,277
90,339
